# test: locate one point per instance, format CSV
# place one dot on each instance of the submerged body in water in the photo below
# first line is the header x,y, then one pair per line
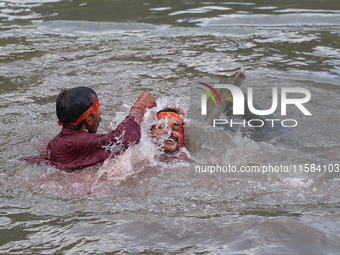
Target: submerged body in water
x,y
135,203
77,145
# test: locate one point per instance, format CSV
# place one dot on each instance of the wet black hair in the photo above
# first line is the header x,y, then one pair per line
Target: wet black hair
x,y
72,103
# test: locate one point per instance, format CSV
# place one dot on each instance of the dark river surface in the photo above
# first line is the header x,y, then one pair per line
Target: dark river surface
x,y
138,204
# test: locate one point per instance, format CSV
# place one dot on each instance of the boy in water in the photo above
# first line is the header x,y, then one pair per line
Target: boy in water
x,y
170,135
78,145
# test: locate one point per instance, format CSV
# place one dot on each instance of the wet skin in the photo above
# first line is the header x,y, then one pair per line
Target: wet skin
x,y
174,130
93,120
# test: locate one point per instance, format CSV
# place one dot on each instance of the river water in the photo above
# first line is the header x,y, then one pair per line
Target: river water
x,y
138,204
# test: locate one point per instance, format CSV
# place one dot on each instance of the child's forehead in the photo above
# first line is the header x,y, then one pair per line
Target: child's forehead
x,y
169,114
171,120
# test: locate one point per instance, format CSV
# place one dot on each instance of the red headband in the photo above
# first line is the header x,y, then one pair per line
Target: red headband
x,y
92,109
169,114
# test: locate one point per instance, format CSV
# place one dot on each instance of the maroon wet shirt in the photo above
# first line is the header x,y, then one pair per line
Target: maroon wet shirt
x,y
70,150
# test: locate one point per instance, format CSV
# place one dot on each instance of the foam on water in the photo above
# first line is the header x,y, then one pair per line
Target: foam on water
x,y
139,202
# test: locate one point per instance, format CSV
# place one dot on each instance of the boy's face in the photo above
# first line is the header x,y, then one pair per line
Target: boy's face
x,y
174,130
